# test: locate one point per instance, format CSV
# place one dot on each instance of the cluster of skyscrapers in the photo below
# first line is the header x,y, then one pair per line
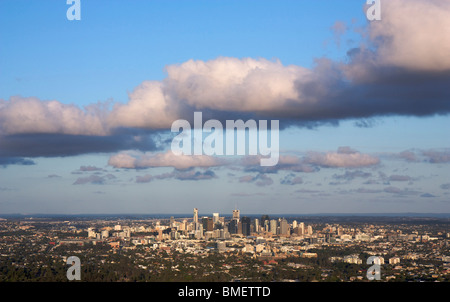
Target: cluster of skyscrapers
x,y
216,226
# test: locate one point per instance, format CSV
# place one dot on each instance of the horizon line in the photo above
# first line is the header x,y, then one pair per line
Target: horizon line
x,y
387,214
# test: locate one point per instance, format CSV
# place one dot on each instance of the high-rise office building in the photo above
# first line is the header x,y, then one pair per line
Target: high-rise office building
x,y
207,223
284,227
233,227
195,219
183,226
246,226
236,215
215,218
266,226
273,226
302,228
294,224
257,226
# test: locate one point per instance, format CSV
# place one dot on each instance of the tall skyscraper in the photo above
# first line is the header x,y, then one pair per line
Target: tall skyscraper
x,y
264,218
302,228
215,218
207,223
284,227
236,215
233,226
257,225
294,224
266,226
273,226
246,226
239,226
195,218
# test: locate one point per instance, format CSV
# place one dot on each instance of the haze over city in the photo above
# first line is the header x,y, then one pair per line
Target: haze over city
x,y
86,106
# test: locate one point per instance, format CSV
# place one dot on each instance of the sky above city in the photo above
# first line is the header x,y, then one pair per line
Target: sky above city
x,y
86,106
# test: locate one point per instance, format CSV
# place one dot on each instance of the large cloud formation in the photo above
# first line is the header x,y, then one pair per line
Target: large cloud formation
x,y
402,67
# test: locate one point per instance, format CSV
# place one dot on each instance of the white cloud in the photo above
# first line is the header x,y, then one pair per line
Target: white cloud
x,y
31,115
148,107
134,160
413,34
231,84
336,159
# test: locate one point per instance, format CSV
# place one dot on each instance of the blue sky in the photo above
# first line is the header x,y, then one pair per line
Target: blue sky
x,y
119,45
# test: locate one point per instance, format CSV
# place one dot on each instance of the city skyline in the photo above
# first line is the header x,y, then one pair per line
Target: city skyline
x,y
86,106
325,249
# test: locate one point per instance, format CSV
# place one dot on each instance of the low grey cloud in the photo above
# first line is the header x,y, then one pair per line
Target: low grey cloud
x,y
337,183
408,156
346,150
294,167
399,178
246,178
307,191
427,195
371,182
398,191
445,186
434,156
196,175
350,175
291,179
189,174
53,176
6,161
368,191
94,179
144,179
246,194
261,180
90,169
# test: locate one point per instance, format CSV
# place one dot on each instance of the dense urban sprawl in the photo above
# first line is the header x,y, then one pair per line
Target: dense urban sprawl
x,y
218,248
